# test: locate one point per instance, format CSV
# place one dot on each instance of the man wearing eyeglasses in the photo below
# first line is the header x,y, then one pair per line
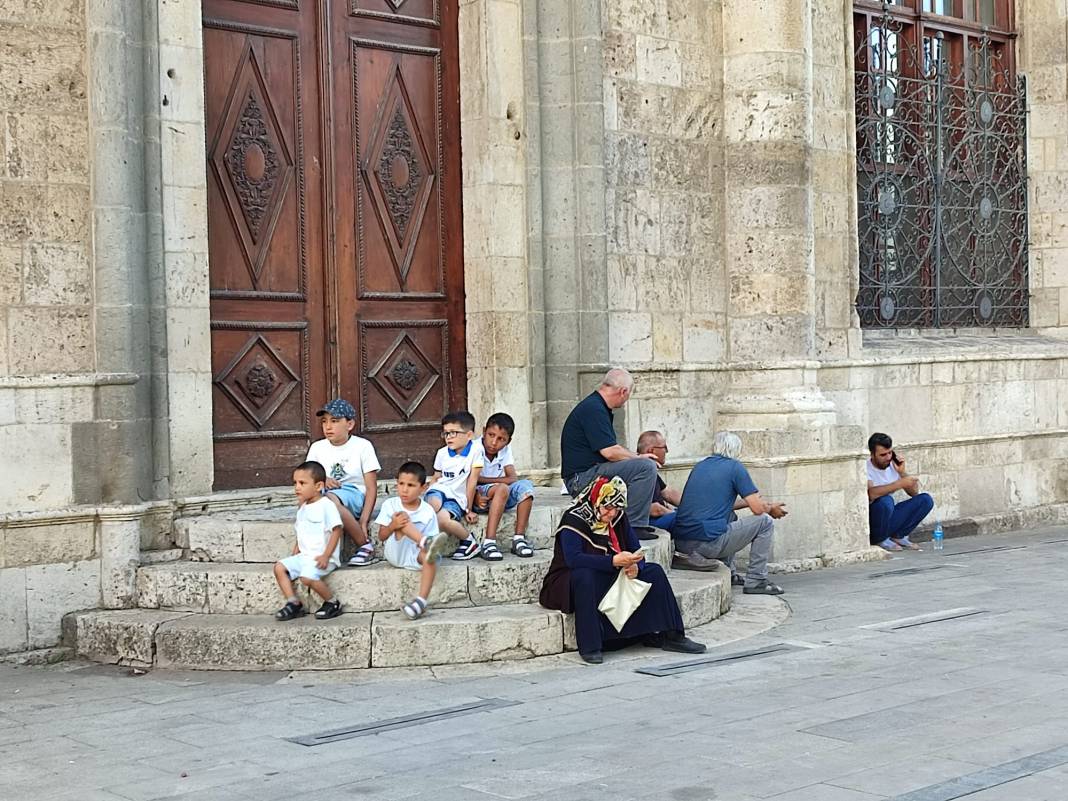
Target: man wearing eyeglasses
x,y
588,449
665,499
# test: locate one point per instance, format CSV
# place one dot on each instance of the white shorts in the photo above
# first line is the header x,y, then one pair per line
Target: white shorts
x,y
402,553
301,565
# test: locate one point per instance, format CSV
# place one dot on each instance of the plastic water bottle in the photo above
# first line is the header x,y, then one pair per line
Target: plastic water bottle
x,y
938,536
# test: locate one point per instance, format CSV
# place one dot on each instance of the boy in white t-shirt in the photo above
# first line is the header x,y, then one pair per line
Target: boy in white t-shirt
x,y
499,489
409,528
351,474
456,469
317,551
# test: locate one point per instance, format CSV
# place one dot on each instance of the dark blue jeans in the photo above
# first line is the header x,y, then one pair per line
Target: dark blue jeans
x,y
897,520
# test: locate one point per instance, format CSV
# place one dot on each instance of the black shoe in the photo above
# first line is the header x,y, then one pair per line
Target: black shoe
x,y
680,643
737,581
763,588
653,641
328,610
592,658
290,611
646,532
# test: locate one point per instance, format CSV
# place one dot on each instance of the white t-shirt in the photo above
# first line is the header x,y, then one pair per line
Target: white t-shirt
x,y
880,478
455,469
315,523
424,518
345,463
495,468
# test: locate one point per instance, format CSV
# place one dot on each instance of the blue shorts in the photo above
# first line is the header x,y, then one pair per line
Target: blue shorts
x,y
448,505
351,497
518,491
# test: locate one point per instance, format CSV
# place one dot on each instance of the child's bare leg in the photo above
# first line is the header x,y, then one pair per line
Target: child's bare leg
x,y
426,575
319,587
414,534
522,516
451,527
498,498
281,575
352,526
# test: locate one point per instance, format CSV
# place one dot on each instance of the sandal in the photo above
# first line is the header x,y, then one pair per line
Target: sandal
x,y
521,547
889,545
364,556
490,552
907,544
290,611
414,608
763,588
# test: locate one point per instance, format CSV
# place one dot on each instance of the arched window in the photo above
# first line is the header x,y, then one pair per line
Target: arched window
x,y
941,165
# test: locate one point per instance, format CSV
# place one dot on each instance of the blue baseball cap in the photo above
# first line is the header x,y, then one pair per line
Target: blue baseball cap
x,y
338,407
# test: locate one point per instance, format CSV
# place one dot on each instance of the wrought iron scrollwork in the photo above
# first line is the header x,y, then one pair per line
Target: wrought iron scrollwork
x,y
941,183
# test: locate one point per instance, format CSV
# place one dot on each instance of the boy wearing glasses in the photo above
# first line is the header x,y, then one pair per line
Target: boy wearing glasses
x,y
452,490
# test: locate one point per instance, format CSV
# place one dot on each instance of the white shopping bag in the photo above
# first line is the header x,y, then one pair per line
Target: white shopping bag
x,y
623,597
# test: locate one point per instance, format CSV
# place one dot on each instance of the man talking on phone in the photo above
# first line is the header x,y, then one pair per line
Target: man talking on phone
x,y
891,523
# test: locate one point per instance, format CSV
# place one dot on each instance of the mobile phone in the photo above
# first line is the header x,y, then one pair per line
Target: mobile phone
x,y
893,457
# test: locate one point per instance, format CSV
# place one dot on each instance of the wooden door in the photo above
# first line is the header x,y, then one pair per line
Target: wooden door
x,y
398,261
265,237
335,260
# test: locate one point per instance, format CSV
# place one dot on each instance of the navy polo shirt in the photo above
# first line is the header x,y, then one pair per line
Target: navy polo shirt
x,y
586,431
705,513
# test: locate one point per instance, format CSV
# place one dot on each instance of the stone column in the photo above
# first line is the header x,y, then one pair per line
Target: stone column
x,y
120,553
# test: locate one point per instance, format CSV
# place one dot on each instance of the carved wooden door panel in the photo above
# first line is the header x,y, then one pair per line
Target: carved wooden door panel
x,y
265,236
398,261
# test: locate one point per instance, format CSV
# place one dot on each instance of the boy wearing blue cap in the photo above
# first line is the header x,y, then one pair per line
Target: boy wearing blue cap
x,y
351,474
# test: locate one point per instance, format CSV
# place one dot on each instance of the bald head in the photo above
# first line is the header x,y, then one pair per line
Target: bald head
x,y
648,440
615,387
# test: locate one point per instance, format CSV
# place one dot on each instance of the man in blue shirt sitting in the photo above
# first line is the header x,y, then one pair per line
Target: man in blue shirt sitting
x,y
704,531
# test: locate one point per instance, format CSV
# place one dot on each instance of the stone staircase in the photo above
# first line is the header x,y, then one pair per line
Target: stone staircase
x,y
213,608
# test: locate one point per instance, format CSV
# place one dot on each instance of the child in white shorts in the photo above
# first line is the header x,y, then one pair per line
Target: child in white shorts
x,y
408,527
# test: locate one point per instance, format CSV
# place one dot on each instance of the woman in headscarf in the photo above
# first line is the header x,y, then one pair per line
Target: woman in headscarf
x,y
593,543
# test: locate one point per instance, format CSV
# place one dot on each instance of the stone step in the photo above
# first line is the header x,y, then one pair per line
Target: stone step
x,y
262,535
237,588
190,640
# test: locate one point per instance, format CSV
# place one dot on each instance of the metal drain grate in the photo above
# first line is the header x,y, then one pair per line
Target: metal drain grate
x,y
991,549
996,776
923,620
909,571
418,719
689,666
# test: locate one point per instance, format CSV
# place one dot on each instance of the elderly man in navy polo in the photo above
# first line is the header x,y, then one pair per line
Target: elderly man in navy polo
x,y
588,449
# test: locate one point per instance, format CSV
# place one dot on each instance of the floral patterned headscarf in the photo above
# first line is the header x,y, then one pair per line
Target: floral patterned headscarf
x,y
584,519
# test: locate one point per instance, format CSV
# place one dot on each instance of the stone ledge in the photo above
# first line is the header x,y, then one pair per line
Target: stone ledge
x,y
250,589
381,639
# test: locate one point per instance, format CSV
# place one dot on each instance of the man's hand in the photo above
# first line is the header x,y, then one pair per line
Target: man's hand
x,y
471,517
659,510
910,484
648,456
322,560
777,510
399,521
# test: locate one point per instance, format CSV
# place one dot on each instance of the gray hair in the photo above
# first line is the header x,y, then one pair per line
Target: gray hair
x,y
728,444
647,440
617,378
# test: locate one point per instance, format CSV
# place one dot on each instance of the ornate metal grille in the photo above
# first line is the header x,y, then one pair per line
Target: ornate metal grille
x,y
941,181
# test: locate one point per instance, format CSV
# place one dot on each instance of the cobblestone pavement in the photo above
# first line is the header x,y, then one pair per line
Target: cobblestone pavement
x,y
929,677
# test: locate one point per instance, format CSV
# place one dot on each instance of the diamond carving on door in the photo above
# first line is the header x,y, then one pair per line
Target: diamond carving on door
x,y
257,380
252,163
399,174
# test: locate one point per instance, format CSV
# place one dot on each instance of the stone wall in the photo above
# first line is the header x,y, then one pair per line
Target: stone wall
x,y
1042,55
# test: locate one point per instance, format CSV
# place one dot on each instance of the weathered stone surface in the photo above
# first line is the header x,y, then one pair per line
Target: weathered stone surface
x,y
54,590
125,636
47,544
477,634
13,623
245,642
176,585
